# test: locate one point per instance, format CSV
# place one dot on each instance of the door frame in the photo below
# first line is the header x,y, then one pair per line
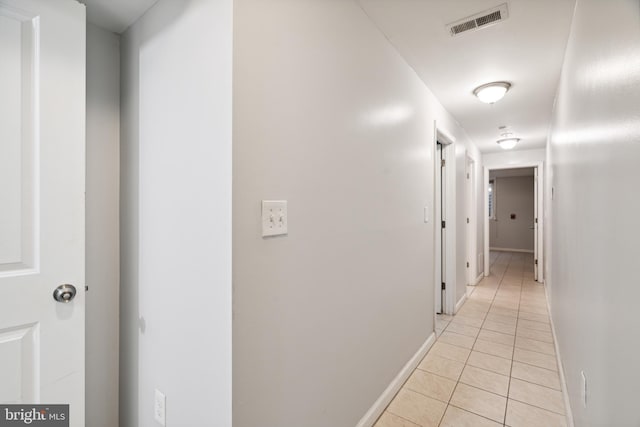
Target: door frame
x,y
539,204
449,154
472,214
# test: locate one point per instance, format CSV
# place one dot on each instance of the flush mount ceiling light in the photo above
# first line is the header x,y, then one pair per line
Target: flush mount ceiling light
x,y
508,143
491,92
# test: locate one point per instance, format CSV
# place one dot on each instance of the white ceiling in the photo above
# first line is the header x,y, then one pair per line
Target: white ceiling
x,y
116,15
527,50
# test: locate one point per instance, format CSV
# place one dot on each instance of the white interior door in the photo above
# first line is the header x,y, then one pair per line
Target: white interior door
x,y
42,139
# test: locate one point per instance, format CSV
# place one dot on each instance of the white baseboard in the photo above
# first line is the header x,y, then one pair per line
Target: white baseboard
x,y
478,279
459,304
526,251
563,381
372,415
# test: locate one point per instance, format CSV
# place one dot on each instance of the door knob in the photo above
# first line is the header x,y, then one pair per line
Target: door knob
x,y
64,293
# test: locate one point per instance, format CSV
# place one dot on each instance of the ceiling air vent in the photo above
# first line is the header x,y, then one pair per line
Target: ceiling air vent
x,y
479,20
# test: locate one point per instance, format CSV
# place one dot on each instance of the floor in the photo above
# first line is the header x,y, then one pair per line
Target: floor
x,y
493,363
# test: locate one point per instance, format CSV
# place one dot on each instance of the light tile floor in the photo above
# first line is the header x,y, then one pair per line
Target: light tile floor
x,y
493,363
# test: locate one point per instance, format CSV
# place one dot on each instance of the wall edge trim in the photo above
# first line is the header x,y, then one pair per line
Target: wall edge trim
x,y
372,415
525,251
563,380
461,302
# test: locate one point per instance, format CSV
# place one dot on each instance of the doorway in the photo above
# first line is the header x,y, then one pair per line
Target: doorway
x,y
513,197
444,224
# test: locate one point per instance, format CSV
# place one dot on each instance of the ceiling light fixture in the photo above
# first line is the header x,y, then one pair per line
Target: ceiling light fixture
x,y
508,143
491,92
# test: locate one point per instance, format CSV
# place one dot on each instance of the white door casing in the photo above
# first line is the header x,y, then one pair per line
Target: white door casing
x,y
42,176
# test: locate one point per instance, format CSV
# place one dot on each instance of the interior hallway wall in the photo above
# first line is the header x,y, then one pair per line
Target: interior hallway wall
x,y
328,116
102,227
513,195
594,151
176,280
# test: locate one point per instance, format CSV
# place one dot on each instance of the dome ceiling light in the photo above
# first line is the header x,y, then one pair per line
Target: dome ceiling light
x,y
507,142
491,92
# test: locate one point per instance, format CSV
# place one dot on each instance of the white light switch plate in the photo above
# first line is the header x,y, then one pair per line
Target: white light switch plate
x,y
159,406
274,217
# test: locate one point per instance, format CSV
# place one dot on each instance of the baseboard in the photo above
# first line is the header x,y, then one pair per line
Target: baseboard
x,y
563,381
372,415
459,304
479,278
526,251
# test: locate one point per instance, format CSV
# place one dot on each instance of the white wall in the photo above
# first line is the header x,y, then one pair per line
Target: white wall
x,y
513,195
102,226
513,158
328,116
594,153
177,65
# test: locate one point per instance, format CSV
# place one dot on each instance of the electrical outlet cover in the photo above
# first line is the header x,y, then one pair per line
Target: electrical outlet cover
x,y
159,408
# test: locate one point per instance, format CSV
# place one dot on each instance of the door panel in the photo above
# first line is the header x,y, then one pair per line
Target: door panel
x,y
42,126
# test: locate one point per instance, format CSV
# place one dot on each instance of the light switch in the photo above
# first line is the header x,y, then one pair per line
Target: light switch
x,y
274,217
426,214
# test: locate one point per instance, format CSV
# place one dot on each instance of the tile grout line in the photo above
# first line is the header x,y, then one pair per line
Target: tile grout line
x,y
466,360
506,406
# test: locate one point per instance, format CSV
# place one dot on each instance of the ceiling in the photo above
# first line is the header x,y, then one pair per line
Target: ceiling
x,y
526,49
116,15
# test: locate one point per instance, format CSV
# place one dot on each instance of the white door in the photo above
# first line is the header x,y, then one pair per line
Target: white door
x,y
42,127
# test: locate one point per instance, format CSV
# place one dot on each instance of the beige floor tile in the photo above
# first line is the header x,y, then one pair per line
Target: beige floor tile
x,y
387,419
544,336
456,417
504,312
508,304
469,321
444,317
522,415
536,395
458,328
431,385
508,320
534,374
439,332
491,363
537,326
495,349
497,337
479,402
499,327
541,360
533,309
471,312
485,380
457,339
441,324
417,408
440,366
533,316
533,345
449,351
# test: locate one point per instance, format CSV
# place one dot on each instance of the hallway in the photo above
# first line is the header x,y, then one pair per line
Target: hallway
x,y
493,363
